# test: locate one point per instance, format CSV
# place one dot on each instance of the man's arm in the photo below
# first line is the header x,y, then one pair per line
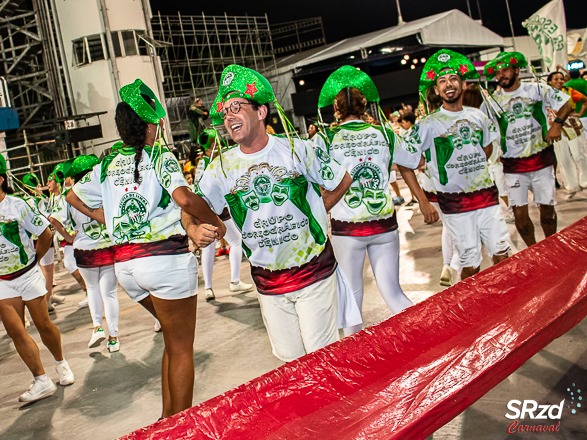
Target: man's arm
x,y
201,234
428,211
488,150
331,198
197,207
94,213
554,132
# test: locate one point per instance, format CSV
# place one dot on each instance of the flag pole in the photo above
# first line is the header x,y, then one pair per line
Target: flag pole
x,y
400,19
507,4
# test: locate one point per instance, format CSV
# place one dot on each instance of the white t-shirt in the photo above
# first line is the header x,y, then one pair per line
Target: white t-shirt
x,y
274,199
452,143
135,213
91,235
523,122
56,207
17,221
363,150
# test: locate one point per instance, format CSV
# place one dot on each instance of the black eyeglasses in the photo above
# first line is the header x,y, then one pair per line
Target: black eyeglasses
x,y
234,107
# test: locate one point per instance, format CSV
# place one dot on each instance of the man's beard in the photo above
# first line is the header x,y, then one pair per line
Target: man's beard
x,y
506,83
454,99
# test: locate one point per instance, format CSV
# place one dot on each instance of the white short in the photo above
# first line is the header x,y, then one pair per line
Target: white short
x,y
302,321
165,276
540,182
28,286
470,229
392,176
49,257
496,173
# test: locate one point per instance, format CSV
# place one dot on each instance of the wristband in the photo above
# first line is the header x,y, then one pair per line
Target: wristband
x,y
559,121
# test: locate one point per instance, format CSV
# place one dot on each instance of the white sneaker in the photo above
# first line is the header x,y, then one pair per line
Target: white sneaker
x,y
65,374
27,323
57,299
83,303
210,295
97,337
38,390
157,326
240,287
114,345
446,276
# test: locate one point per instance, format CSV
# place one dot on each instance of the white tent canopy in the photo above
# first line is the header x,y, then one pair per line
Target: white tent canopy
x,y
450,28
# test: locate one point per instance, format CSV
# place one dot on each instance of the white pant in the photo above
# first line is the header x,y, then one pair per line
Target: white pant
x,y
572,162
302,321
383,250
68,259
449,251
235,241
470,229
102,288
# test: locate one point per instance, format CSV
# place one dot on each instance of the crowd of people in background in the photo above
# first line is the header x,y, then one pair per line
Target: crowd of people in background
x,y
304,210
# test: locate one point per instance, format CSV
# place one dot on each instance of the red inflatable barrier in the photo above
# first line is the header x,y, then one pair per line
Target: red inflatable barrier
x,y
411,374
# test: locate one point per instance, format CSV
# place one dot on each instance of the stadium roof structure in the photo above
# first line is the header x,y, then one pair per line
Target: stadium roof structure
x,y
447,29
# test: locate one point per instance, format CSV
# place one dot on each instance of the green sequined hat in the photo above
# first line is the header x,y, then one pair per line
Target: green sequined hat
x,y
242,82
578,84
131,94
347,76
215,110
30,180
82,163
3,167
502,60
57,173
444,62
206,139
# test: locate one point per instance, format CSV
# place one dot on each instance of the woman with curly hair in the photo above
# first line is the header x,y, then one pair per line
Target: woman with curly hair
x,y
139,192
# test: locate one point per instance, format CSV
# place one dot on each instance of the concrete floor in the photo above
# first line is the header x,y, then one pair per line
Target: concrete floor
x,y
117,393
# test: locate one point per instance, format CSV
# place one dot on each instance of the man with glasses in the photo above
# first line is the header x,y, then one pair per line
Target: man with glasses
x,y
278,191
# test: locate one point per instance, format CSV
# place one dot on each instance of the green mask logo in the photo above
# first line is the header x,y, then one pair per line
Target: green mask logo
x,y
354,195
279,194
367,188
250,200
94,230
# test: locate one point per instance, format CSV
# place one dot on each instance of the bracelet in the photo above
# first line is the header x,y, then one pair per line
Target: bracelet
x,y
559,121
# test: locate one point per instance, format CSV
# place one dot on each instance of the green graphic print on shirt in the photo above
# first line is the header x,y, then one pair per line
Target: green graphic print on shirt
x,y
11,232
264,183
367,188
521,108
132,222
463,132
95,230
